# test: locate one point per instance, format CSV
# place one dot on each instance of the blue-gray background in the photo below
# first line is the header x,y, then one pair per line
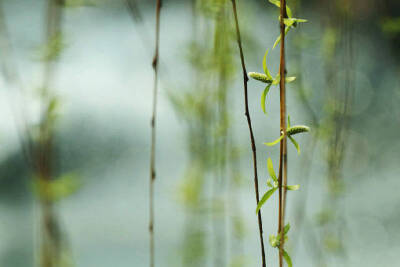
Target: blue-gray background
x,y
105,78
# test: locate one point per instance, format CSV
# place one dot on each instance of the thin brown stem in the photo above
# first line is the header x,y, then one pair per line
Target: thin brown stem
x,y
253,145
282,180
153,133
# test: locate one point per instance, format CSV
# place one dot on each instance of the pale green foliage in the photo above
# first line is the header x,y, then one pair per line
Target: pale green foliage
x,y
52,49
329,43
80,3
57,189
391,25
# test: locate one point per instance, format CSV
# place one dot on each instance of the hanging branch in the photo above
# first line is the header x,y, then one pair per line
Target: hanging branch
x,y
153,133
286,131
253,146
283,143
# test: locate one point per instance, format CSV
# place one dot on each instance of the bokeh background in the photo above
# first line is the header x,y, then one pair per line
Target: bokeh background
x,y
78,73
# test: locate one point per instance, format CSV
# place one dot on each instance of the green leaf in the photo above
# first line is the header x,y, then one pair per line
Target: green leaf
x,y
269,182
278,4
274,142
275,2
286,228
260,77
293,187
263,97
285,231
294,142
290,79
288,121
280,37
287,258
293,21
264,199
265,65
278,79
271,171
289,22
301,20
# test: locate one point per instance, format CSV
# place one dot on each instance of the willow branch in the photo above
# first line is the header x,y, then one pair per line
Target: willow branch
x,y
253,145
153,133
283,145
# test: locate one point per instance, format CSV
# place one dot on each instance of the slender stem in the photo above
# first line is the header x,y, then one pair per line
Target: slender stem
x,y
153,134
283,144
253,145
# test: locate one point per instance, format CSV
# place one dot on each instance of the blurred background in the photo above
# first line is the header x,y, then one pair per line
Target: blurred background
x,y
75,105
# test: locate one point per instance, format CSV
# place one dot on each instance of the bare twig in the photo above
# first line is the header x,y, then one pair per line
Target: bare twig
x,y
153,133
283,144
253,146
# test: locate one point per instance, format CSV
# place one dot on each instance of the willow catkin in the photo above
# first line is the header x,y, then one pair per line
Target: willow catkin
x,y
297,129
260,77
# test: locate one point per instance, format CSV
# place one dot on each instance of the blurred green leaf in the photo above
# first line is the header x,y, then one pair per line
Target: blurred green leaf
x,y
57,189
266,196
52,49
391,25
80,3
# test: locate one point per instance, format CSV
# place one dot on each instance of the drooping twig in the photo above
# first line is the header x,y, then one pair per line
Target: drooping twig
x,y
253,145
153,133
282,180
